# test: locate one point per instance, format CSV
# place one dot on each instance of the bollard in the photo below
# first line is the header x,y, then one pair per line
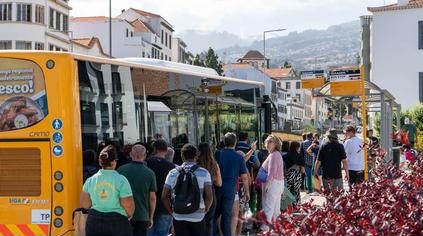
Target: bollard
x,y
396,155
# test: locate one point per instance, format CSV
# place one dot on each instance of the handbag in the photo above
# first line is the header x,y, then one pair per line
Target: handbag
x,y
79,221
262,175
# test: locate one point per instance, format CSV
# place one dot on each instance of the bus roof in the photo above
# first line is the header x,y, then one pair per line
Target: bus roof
x,y
160,65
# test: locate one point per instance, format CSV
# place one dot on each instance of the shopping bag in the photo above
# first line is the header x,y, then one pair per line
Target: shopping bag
x,y
317,185
79,220
287,199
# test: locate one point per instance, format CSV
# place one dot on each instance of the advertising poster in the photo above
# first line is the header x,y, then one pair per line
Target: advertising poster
x,y
23,99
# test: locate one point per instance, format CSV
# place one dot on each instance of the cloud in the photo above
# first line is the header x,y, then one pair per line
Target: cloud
x,y
241,17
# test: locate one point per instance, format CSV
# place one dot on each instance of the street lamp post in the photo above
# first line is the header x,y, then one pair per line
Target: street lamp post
x,y
264,44
110,28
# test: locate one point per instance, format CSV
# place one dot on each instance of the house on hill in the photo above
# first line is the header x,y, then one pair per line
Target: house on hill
x,y
255,59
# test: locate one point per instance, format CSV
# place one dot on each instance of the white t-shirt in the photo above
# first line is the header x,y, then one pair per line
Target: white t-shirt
x,y
355,155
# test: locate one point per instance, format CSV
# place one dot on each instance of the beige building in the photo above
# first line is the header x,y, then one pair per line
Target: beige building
x,y
255,59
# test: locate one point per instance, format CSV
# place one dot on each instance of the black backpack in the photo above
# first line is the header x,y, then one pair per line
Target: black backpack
x,y
186,192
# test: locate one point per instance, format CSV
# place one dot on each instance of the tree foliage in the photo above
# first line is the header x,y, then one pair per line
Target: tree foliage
x,y
286,64
198,61
212,61
416,116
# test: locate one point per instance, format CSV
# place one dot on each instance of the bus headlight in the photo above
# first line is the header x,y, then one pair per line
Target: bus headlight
x,y
58,211
58,175
58,187
58,222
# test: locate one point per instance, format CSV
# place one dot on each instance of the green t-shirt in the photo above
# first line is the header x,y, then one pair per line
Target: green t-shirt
x,y
411,128
106,188
143,181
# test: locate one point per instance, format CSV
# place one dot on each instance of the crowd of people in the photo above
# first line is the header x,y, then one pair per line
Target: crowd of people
x,y
206,193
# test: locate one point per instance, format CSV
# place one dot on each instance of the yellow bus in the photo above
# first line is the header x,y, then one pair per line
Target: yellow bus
x,y
55,106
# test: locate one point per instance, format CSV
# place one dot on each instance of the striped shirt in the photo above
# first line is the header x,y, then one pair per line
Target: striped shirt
x,y
203,179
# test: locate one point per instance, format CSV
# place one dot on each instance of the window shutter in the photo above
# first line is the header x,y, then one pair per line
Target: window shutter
x,y
420,35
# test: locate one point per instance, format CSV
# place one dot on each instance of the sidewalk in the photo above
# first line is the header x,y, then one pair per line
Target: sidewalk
x,y
319,199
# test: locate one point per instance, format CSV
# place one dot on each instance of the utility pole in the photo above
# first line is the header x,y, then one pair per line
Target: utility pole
x,y
110,28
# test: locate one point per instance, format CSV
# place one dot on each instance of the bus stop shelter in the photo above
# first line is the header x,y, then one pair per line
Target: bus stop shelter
x,y
377,100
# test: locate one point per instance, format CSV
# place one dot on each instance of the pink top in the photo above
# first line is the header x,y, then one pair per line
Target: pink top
x,y
274,166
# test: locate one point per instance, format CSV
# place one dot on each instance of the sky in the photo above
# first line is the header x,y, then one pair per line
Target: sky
x,y
245,18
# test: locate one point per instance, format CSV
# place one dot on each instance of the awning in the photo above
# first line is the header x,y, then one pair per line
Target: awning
x,y
154,106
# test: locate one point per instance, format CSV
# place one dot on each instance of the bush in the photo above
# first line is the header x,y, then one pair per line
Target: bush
x,y
391,205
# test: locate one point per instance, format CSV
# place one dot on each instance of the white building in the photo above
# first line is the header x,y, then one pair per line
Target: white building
x,y
160,31
396,50
277,94
88,46
297,97
124,41
179,51
34,24
319,111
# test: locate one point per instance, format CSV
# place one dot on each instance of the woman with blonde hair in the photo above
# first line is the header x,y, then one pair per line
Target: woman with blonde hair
x,y
273,186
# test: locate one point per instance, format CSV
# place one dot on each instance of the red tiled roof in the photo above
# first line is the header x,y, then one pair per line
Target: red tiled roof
x,y
89,43
252,54
278,72
139,26
410,5
89,19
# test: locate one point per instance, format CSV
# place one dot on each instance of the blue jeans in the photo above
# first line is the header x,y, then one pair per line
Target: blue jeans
x,y
309,175
161,225
224,209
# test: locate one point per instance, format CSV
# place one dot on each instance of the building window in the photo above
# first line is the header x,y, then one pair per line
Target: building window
x,y
161,56
132,33
288,85
420,34
127,33
143,54
104,111
166,39
58,23
39,46
5,11
51,47
5,44
170,59
39,14
298,84
170,41
421,86
161,38
23,45
23,12
116,83
51,18
65,23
